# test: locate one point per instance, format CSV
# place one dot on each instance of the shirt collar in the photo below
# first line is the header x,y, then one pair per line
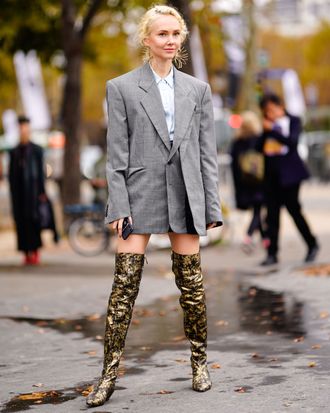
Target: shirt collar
x,y
169,79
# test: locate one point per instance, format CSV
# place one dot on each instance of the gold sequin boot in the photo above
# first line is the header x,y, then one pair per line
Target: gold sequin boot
x,y
189,280
125,289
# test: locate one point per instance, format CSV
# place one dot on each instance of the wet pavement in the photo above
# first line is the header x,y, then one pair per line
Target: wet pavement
x,y
268,331
263,344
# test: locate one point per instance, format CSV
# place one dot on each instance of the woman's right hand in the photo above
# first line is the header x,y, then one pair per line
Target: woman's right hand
x,y
117,225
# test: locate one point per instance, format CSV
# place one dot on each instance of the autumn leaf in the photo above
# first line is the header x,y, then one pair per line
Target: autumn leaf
x,y
215,366
165,392
316,346
136,322
221,323
299,339
38,395
178,338
324,314
94,317
98,337
312,364
240,390
181,361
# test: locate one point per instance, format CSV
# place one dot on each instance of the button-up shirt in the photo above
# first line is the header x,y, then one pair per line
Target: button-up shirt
x,y
166,89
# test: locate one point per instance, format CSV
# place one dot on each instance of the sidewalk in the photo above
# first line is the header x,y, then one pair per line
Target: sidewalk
x,y
268,332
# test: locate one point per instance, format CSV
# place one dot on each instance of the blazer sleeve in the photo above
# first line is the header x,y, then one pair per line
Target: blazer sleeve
x,y
208,159
117,155
292,140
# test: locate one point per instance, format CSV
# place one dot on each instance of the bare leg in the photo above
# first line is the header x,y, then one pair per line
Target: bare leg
x,y
184,244
135,243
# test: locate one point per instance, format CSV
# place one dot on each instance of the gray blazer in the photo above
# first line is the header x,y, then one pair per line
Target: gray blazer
x,y
147,178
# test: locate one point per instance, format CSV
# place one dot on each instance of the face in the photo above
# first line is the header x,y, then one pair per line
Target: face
x,y
273,111
164,39
24,132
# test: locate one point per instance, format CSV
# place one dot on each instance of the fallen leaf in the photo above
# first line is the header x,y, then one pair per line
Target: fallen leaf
x,y
255,356
98,337
91,353
136,322
94,317
324,314
42,323
312,364
299,339
240,390
145,348
85,392
181,361
37,395
316,346
37,385
215,366
221,323
178,338
165,392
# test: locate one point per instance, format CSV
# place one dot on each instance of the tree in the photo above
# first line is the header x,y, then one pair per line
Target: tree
x,y
74,29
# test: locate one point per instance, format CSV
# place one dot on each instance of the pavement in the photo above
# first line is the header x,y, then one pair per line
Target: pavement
x,y
269,330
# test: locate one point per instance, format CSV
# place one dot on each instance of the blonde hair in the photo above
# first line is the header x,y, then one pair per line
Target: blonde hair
x,y
250,126
144,30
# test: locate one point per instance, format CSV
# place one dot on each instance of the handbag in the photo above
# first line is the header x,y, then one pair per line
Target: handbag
x,y
252,166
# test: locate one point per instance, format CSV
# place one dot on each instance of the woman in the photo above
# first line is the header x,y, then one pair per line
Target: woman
x,y
27,188
248,191
162,175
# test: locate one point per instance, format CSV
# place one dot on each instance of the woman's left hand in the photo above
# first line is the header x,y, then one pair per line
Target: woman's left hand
x,y
211,225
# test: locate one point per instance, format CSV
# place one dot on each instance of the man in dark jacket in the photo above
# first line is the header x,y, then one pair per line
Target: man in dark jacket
x,y
284,172
26,179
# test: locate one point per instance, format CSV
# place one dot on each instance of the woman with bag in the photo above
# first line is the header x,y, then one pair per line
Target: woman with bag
x,y
163,178
27,188
247,168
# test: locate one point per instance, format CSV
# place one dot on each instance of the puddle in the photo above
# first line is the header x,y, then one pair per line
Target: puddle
x,y
27,401
233,307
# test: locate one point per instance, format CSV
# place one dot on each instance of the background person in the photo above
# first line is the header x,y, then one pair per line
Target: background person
x,y
284,172
27,189
163,175
249,194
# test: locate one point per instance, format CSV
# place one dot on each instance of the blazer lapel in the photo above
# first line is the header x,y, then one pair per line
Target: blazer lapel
x,y
184,109
152,104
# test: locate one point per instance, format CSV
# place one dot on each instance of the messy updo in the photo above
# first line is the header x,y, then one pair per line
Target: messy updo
x,y
144,29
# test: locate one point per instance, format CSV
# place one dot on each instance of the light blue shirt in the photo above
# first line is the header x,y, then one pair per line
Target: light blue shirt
x,y
166,89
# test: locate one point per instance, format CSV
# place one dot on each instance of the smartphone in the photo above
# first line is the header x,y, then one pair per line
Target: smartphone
x,y
127,228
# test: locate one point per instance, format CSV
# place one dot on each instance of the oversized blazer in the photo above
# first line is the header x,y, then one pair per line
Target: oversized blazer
x,y
289,169
148,178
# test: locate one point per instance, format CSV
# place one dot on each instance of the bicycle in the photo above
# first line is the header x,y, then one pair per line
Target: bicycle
x,y
87,233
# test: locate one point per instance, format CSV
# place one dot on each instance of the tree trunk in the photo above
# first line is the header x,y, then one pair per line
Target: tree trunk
x,y
184,9
248,88
71,116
